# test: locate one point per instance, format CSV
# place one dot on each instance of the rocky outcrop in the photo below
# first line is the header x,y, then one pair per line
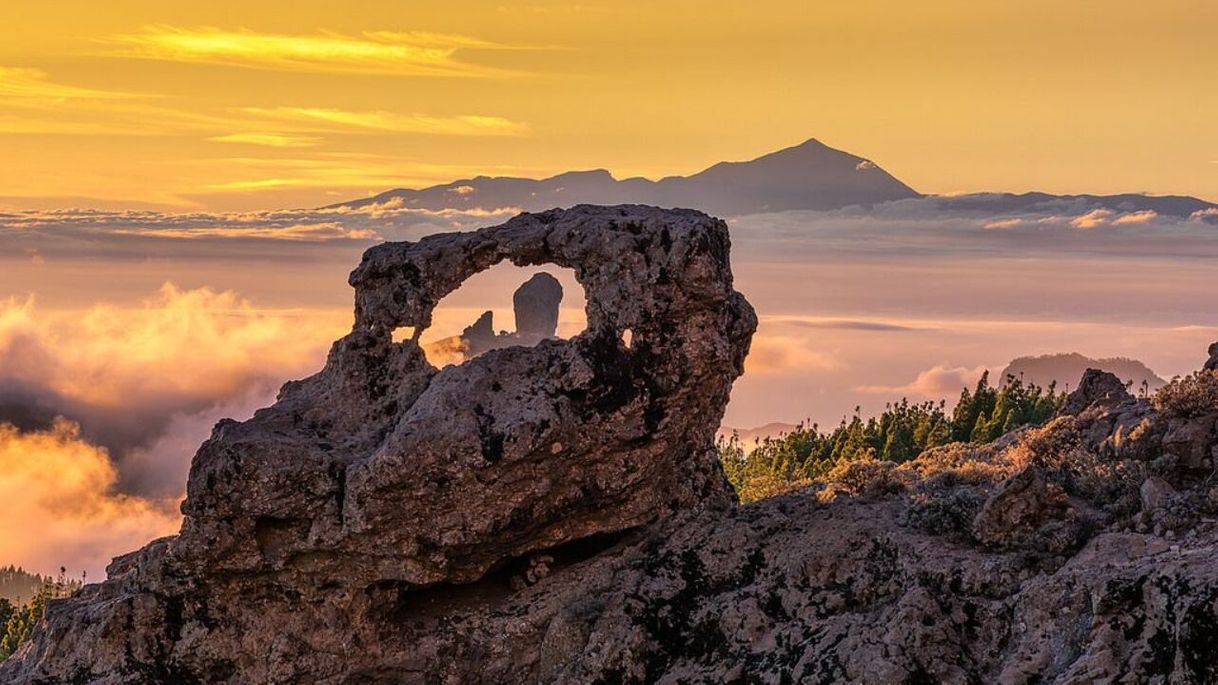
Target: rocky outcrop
x,y
1212,363
535,305
1077,552
1096,386
312,528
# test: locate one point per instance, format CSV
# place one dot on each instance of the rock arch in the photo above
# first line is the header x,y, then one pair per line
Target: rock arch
x,y
381,475
617,437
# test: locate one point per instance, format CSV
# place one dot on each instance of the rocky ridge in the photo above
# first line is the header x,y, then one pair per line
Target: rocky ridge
x,y
1080,551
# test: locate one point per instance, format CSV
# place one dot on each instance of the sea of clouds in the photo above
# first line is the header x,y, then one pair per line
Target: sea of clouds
x,y
124,336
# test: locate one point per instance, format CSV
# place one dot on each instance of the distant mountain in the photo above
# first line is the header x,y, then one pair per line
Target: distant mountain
x,y
750,436
1068,369
808,176
1045,203
16,585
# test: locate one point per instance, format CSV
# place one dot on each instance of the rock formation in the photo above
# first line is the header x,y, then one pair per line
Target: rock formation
x,y
1212,363
535,304
536,307
313,528
1095,387
554,514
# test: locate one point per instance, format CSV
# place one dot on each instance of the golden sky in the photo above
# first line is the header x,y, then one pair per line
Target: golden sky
x,y
231,104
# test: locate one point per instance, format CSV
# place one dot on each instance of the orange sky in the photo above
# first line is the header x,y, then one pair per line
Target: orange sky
x,y
235,105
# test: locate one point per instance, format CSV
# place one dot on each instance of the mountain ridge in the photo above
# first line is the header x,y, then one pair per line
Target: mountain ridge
x,y
810,175
807,176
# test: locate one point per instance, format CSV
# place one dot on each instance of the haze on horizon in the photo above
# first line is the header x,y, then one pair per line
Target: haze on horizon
x,y
226,105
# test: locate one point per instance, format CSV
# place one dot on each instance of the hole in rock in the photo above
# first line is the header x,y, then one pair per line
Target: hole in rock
x,y
627,338
403,333
504,306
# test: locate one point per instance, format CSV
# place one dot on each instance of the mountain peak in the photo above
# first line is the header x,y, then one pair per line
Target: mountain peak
x,y
810,175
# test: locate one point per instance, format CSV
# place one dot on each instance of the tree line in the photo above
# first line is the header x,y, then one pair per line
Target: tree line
x,y
17,619
903,431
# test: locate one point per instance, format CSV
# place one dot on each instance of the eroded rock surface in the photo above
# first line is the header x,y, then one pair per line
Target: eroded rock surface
x,y
310,526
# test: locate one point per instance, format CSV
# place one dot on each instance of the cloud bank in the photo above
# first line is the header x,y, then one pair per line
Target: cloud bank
x,y
59,505
938,382
101,410
858,309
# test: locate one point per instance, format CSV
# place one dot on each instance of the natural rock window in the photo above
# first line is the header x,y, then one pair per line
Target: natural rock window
x,y
503,306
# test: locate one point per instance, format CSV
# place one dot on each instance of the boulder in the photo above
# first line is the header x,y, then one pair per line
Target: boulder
x,y
1096,387
535,304
479,336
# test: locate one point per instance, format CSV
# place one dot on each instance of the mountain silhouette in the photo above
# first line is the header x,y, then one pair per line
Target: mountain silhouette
x,y
1035,202
1067,369
811,175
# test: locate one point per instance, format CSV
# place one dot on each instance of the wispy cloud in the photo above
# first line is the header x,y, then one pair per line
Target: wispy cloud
x,y
999,224
329,119
382,52
327,171
34,83
268,139
777,354
1093,219
940,381
52,232
844,324
1141,217
314,232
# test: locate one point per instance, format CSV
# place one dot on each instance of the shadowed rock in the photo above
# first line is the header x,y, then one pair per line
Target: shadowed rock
x,y
479,336
1096,387
535,304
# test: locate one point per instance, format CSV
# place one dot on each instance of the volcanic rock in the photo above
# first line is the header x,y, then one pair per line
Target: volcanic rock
x,y
480,335
1096,387
535,304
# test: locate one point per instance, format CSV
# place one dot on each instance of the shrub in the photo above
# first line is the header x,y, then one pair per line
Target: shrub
x,y
761,487
1189,397
948,515
865,476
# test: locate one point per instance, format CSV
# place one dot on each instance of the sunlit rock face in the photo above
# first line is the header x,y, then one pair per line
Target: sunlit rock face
x,y
320,518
